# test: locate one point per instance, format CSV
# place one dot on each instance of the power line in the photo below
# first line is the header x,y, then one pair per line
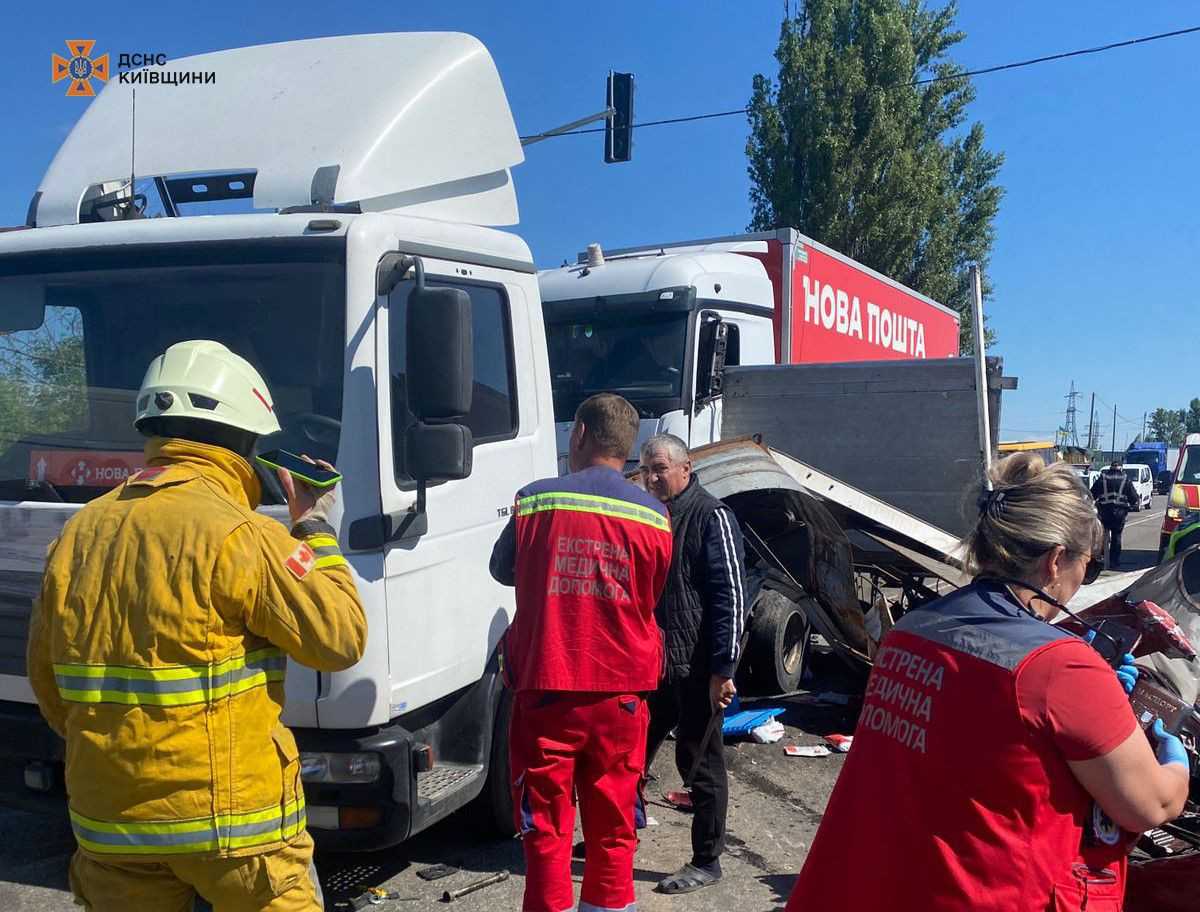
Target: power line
x,y
1123,419
655,123
992,69
1063,56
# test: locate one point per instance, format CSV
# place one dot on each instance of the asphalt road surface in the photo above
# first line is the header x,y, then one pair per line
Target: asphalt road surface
x,y
776,803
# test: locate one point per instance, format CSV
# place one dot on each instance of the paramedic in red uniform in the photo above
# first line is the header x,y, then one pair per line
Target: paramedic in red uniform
x,y
994,752
589,554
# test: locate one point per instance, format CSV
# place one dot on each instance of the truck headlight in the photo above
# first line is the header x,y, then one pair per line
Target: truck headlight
x,y
339,768
1176,512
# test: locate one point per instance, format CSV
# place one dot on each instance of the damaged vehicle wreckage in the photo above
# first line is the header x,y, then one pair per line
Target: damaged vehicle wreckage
x,y
832,560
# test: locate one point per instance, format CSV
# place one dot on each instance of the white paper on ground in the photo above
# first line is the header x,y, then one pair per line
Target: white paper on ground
x,y
768,732
807,750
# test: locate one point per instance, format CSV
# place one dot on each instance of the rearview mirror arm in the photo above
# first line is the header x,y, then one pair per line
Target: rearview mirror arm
x,y
372,532
393,267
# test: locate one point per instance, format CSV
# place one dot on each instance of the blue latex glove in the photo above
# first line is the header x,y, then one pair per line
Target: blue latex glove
x,y
1127,672
1169,749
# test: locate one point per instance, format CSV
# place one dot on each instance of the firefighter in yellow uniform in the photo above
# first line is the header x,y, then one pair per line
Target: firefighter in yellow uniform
x,y
158,648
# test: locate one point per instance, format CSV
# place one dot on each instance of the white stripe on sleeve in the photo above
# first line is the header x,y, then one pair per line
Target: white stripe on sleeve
x,y
734,571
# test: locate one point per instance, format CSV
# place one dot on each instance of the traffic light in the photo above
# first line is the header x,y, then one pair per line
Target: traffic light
x,y
618,129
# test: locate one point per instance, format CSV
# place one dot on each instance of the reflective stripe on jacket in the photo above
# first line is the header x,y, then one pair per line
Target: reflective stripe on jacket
x,y
589,555
1116,490
158,649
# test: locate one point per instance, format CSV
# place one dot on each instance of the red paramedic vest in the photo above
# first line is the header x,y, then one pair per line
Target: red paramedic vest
x,y
592,554
950,799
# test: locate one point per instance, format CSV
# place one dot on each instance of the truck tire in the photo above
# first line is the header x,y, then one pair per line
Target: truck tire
x,y
495,802
778,645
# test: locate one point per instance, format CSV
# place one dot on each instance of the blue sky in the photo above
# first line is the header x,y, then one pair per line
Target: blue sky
x,y
1098,235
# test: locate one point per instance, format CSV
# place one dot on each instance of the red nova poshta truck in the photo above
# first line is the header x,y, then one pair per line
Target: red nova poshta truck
x,y
659,323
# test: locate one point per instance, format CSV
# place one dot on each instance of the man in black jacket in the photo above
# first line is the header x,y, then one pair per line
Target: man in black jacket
x,y
1115,496
702,613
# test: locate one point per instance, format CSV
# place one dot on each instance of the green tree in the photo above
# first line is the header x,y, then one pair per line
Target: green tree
x,y
1168,425
1192,417
42,379
845,148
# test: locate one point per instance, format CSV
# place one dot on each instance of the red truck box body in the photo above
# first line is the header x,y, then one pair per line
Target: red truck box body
x,y
833,309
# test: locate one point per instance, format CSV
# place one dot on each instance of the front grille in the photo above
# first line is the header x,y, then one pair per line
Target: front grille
x,y
17,592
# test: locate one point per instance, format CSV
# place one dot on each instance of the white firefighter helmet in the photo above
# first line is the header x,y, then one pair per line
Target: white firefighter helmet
x,y
204,379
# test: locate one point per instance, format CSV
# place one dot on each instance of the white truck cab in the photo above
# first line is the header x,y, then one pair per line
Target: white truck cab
x,y
359,286
659,323
658,329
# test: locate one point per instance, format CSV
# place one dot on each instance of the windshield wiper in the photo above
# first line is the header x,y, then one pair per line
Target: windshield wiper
x,y
46,488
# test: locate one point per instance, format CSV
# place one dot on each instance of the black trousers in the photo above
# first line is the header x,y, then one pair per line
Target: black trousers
x,y
684,706
1114,522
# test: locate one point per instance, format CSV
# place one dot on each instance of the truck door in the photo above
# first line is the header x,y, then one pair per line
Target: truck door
x,y
445,612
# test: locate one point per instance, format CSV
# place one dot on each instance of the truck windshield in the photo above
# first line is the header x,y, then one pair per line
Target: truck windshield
x,y
640,357
1143,457
1190,473
72,361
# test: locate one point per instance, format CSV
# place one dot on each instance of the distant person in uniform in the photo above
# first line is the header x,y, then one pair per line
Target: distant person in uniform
x,y
1115,496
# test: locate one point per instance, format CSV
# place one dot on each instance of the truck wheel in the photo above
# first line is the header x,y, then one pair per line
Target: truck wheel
x,y
778,644
495,801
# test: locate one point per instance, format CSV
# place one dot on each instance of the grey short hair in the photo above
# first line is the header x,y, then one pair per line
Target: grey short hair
x,y
673,446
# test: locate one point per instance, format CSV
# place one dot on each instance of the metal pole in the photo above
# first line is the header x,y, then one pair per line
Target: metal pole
x,y
981,386
1114,449
1092,425
566,128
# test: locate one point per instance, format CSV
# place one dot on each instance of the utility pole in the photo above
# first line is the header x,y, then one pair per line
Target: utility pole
x,y
1114,448
1143,437
1091,445
981,387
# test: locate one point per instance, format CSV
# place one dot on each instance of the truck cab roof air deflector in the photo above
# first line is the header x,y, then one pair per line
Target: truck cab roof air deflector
x,y
417,122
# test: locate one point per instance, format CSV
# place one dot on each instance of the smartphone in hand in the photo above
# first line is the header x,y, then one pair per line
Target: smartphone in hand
x,y
307,472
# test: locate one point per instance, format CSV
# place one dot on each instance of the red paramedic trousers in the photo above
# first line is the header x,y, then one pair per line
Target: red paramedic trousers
x,y
591,745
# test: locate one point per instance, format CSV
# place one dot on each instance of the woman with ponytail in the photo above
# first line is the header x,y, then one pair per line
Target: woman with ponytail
x,y
997,764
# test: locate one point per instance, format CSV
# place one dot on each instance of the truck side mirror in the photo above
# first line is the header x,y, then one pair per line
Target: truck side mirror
x,y
710,360
440,375
438,452
440,360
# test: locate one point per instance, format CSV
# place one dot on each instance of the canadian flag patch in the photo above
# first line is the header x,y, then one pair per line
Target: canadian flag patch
x,y
300,562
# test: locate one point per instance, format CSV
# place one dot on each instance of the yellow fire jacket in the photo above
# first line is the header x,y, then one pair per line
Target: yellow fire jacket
x,y
158,646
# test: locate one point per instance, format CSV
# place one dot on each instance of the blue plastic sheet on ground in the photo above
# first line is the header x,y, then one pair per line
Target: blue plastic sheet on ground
x,y
746,720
